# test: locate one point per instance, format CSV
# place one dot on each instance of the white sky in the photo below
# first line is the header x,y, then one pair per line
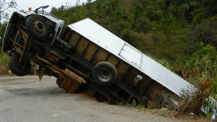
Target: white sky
x,y
26,4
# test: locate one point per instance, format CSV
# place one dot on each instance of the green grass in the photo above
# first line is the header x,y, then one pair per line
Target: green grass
x,y
3,63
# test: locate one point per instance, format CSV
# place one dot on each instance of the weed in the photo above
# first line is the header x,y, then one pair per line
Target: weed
x,y
3,63
194,100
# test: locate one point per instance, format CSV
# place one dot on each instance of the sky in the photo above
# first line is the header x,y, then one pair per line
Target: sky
x,y
26,4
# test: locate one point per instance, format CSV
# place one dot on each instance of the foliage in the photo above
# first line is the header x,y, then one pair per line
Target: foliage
x,y
5,5
201,70
3,63
194,100
205,32
3,58
2,30
203,66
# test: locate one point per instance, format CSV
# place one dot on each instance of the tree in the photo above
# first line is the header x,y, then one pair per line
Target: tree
x,y
5,5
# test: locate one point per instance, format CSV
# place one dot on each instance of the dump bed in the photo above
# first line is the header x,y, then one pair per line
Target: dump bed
x,y
126,52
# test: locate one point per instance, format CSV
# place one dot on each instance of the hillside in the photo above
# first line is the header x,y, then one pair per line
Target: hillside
x,y
179,34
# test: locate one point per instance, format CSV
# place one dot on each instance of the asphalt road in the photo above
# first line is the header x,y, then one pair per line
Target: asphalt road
x,y
26,99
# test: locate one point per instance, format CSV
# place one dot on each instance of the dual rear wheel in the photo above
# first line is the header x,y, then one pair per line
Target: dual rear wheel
x,y
105,73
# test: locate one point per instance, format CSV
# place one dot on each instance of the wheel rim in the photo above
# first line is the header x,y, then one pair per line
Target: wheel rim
x,y
39,26
104,75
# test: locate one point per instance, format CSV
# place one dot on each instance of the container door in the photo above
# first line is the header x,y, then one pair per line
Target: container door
x,y
132,55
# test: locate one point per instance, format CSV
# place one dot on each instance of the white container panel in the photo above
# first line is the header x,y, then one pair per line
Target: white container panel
x,y
99,35
131,55
118,47
164,76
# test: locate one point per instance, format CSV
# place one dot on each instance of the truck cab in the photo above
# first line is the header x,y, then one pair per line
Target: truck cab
x,y
38,27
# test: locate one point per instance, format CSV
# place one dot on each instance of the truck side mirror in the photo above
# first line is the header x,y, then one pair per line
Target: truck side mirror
x,y
42,7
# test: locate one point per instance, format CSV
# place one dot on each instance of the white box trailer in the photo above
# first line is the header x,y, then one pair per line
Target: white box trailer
x,y
126,52
119,48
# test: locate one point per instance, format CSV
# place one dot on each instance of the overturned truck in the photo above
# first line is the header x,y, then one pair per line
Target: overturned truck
x,y
84,54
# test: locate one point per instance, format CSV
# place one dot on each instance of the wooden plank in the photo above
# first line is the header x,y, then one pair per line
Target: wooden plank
x,y
100,56
72,40
68,36
85,50
94,54
81,46
77,42
90,51
107,57
112,59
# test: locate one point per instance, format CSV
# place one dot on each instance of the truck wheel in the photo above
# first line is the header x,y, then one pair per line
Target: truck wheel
x,y
16,66
37,28
105,74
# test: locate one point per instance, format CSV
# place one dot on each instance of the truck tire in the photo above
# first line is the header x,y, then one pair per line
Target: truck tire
x,y
16,66
105,74
36,27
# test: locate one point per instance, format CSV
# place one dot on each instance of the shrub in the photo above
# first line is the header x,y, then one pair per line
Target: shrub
x,y
194,100
3,63
2,30
202,65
